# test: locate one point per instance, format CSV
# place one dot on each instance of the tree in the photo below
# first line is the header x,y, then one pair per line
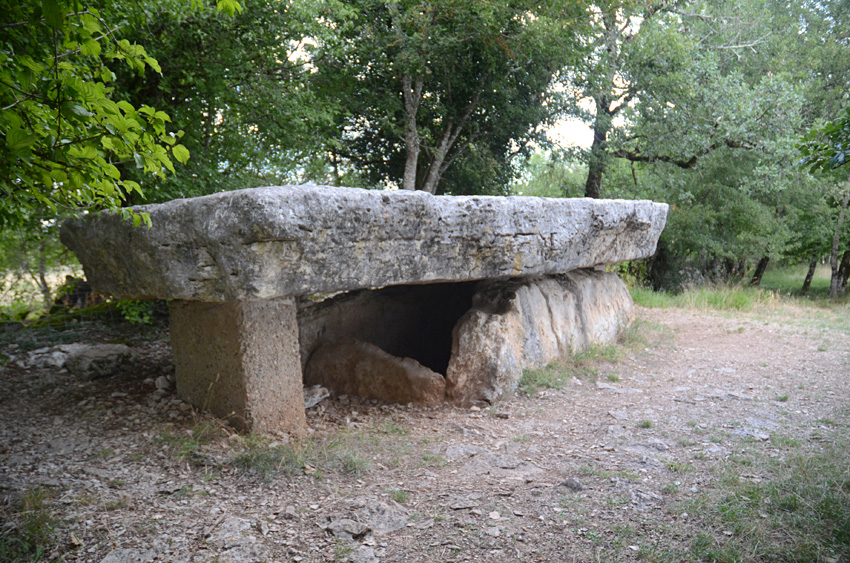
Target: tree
x,y
673,81
239,86
428,86
65,135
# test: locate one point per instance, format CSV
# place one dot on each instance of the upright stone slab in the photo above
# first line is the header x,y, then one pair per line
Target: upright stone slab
x,y
241,362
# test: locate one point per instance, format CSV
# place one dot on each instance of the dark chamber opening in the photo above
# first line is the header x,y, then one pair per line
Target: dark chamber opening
x,y
408,321
421,320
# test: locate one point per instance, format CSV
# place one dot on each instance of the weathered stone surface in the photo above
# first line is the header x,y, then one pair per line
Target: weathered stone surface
x,y
523,324
240,361
287,241
357,368
98,360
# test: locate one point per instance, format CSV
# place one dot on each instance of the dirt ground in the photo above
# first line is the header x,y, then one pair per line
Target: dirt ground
x,y
604,469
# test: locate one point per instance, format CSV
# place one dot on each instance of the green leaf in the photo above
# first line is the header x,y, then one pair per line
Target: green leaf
x,y
229,7
90,48
70,109
53,13
17,139
28,62
127,107
181,153
111,171
154,64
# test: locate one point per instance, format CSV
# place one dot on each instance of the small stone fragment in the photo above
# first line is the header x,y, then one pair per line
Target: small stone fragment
x,y
573,484
314,394
346,528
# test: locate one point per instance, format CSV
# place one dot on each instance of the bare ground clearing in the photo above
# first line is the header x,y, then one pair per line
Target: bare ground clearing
x,y
617,469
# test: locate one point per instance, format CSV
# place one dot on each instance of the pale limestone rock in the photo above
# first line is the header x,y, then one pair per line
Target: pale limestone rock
x,y
357,368
293,240
98,360
523,324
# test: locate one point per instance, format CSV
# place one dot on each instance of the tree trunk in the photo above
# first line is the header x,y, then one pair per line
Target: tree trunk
x,y
42,280
843,271
807,283
412,96
760,269
598,150
438,157
835,278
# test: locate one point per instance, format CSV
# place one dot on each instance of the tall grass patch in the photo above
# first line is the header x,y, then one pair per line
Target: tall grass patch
x,y
799,512
30,535
721,298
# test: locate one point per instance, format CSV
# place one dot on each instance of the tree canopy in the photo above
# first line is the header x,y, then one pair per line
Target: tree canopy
x,y
65,133
427,87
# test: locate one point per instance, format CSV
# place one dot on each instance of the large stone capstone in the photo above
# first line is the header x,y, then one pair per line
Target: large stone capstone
x,y
442,297
286,241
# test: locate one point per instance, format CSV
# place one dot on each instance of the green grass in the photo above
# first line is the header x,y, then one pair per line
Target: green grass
x,y
724,298
644,424
777,300
799,512
789,279
189,447
553,376
32,536
584,365
345,453
399,495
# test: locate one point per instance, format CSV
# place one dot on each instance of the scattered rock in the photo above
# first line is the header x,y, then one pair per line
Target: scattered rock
x,y
364,554
314,394
129,556
98,360
382,518
345,528
162,382
463,504
454,453
232,532
572,484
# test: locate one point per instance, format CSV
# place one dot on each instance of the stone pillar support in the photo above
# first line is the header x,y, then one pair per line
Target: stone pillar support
x,y
241,361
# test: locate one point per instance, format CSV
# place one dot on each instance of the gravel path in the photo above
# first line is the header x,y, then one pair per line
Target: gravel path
x,y
602,469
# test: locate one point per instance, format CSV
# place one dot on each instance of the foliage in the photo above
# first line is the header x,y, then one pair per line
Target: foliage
x,y
240,88
828,147
136,312
65,134
443,94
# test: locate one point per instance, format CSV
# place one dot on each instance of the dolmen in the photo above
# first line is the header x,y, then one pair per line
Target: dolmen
x,y
394,295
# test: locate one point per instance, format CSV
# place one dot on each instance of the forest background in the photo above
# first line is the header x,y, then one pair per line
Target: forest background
x,y
736,113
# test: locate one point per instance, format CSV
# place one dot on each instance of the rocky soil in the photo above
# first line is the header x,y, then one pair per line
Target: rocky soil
x,y
607,468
